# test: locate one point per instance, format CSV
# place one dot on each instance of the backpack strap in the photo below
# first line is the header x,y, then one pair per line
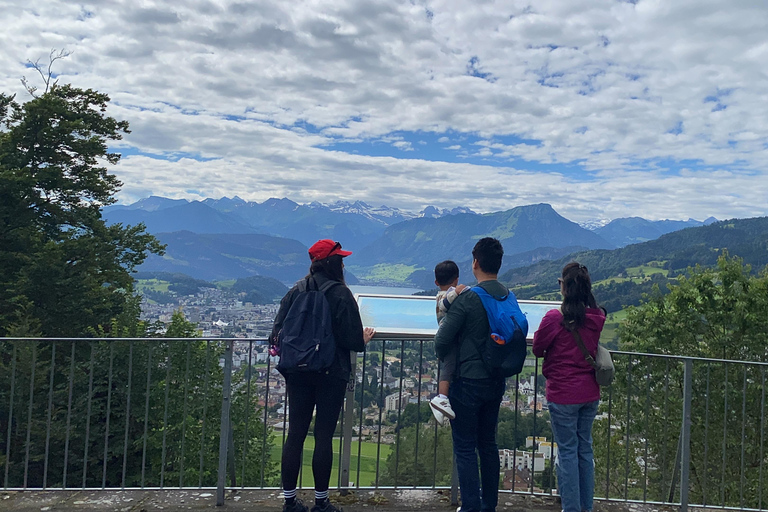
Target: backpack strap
x,y
327,285
482,291
310,283
580,343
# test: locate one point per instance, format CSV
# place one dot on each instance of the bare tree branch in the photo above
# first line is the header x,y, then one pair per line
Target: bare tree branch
x,y
45,75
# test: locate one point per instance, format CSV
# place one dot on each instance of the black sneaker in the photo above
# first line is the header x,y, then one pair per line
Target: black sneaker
x,y
296,506
327,506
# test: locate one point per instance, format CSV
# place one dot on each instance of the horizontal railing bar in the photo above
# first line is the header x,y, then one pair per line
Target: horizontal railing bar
x,y
200,338
692,358
388,338
116,489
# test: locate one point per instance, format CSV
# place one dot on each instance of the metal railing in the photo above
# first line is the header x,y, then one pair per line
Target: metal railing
x,y
212,413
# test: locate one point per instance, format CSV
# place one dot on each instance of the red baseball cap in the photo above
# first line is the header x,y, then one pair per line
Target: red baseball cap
x,y
326,248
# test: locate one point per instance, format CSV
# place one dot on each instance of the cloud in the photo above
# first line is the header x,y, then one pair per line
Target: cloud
x,y
601,108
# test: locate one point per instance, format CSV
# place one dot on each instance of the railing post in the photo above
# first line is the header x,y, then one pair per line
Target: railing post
x,y
685,438
226,392
349,419
455,484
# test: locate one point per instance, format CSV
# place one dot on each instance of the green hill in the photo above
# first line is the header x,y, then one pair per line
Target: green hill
x,y
419,244
162,287
621,276
259,289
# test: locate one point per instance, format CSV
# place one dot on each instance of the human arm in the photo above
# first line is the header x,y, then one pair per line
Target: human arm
x,y
347,326
546,333
451,325
285,305
444,304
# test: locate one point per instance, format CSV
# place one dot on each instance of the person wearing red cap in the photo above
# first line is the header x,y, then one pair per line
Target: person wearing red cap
x,y
323,391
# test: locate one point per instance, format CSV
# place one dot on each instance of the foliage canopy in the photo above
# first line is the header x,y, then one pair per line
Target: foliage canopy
x,y
62,269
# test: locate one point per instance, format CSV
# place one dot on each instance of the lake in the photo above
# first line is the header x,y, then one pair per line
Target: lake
x,y
383,290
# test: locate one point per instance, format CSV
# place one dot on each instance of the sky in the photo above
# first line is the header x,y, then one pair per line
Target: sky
x,y
601,108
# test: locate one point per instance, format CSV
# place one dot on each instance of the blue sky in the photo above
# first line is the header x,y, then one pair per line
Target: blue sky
x,y
602,108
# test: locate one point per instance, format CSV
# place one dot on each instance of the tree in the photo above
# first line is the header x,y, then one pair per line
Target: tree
x,y
720,313
62,269
125,413
415,460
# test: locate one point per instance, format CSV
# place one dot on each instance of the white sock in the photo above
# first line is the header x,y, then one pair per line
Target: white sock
x,y
442,396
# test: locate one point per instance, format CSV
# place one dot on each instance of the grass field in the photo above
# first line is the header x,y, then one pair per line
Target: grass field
x,y
385,272
610,330
155,285
637,274
367,461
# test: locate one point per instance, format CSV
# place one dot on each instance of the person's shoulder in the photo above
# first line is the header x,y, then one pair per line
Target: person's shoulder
x,y
595,317
493,287
552,316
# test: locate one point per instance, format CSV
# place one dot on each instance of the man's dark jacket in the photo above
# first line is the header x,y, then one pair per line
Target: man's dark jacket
x,y
466,324
345,321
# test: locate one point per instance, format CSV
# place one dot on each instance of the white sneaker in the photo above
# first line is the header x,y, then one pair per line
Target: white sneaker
x,y
442,405
439,417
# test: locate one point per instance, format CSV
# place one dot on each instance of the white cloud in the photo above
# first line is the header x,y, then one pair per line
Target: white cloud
x,y
616,89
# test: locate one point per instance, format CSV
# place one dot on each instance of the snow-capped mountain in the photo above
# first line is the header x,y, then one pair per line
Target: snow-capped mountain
x,y
432,212
384,214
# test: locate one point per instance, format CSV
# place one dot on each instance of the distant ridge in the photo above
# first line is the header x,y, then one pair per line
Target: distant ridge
x,y
663,259
213,257
424,242
357,224
391,246
632,230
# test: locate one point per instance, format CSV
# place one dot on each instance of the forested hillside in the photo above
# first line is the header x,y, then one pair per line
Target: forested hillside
x,y
621,276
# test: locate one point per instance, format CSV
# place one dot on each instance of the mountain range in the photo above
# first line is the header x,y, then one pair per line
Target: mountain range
x,y
632,230
357,223
229,238
620,276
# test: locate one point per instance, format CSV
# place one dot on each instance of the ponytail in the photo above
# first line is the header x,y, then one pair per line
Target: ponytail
x,y
577,294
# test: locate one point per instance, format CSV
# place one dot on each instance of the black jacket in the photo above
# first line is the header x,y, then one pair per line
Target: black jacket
x,y
345,320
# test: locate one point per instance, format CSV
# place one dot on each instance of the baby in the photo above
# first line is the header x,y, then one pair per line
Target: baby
x,y
447,280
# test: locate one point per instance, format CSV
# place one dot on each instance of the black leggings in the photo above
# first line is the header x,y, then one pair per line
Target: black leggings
x,y
305,391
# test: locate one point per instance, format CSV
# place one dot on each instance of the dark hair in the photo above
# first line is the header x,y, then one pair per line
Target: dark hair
x,y
488,253
331,266
577,294
446,272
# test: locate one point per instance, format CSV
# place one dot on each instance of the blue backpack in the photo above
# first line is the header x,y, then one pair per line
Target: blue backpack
x,y
506,349
306,340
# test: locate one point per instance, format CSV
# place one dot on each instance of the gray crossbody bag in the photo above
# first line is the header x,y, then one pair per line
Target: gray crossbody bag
x,y
602,363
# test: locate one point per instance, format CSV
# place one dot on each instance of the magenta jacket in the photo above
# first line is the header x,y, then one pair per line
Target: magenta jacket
x,y
570,378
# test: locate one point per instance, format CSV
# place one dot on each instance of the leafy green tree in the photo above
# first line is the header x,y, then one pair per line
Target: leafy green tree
x,y
413,413
125,413
62,269
512,434
428,462
712,313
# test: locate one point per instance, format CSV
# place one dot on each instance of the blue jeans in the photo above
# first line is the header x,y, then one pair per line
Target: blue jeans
x,y
572,428
476,404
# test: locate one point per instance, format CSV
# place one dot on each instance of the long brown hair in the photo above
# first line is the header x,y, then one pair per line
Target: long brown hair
x,y
577,294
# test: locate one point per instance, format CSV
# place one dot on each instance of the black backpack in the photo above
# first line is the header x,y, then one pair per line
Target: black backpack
x,y
306,340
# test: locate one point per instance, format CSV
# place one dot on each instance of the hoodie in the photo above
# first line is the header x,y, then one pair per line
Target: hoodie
x,y
570,378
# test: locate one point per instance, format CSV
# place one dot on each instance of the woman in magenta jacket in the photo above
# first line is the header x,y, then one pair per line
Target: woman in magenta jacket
x,y
572,391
